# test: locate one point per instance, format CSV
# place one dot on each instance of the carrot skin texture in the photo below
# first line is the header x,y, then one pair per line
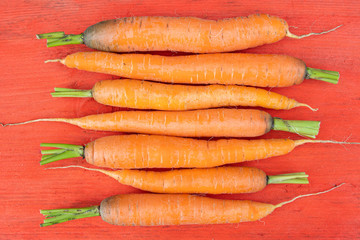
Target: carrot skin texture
x,y
139,94
152,151
263,70
185,34
178,209
218,122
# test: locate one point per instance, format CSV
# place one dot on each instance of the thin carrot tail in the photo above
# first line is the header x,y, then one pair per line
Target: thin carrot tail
x,y
113,174
62,151
38,120
289,34
306,105
55,216
307,195
303,141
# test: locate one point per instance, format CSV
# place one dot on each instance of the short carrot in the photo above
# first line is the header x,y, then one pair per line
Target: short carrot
x,y
152,151
169,209
139,94
221,180
219,122
184,34
262,70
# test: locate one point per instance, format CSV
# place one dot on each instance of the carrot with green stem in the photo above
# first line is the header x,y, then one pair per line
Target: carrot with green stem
x,y
262,70
219,122
184,34
152,151
149,95
221,180
169,209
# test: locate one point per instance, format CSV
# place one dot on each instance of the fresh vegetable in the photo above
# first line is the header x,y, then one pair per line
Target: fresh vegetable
x,y
184,34
169,209
262,70
219,122
152,151
149,95
219,180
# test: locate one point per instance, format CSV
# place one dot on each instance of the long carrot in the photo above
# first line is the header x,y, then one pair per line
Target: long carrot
x,y
169,209
221,180
185,34
149,95
263,70
151,151
219,122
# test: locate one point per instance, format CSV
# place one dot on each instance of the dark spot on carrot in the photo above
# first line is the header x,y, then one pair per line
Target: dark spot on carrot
x,y
132,19
140,23
167,25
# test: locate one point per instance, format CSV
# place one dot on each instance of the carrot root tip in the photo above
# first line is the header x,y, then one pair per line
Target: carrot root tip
x,y
308,106
291,35
55,60
308,195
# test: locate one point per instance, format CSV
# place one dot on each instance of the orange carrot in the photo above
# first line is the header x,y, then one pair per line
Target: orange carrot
x,y
149,95
263,70
184,34
151,151
220,122
169,209
222,180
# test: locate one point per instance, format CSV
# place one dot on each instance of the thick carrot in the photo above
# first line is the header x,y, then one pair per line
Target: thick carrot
x,y
184,34
169,209
151,151
222,180
263,70
219,122
149,95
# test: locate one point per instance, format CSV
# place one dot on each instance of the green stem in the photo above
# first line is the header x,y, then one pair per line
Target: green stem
x,y
300,127
322,75
55,216
68,92
51,35
290,178
66,40
64,151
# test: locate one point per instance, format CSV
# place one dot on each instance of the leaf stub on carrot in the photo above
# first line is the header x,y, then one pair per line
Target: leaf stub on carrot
x,y
300,127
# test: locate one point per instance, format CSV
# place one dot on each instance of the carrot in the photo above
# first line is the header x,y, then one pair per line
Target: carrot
x,y
262,70
151,151
169,209
184,34
222,180
149,95
220,122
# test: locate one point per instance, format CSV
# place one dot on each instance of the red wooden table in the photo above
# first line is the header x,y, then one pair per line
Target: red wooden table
x,y
24,94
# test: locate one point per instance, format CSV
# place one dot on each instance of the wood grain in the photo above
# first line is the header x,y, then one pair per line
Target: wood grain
x,y
24,94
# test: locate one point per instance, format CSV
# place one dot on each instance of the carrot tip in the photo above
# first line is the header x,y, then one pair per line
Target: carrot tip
x,y
306,105
289,34
54,60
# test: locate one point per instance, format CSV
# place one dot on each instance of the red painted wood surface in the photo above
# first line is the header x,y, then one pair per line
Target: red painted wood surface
x,y
24,94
